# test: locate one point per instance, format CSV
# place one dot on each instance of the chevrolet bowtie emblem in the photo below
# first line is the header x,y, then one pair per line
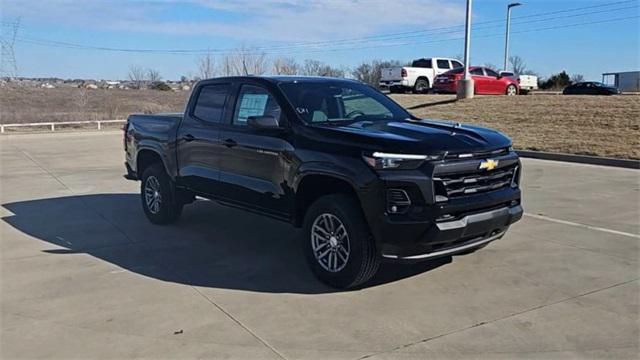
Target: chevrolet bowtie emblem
x,y
489,164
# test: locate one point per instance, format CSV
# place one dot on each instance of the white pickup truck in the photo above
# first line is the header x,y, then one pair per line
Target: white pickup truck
x,y
527,82
418,77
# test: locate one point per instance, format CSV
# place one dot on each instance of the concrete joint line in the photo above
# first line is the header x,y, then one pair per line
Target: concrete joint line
x,y
596,228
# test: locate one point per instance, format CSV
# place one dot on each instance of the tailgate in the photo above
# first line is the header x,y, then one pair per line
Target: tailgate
x,y
391,73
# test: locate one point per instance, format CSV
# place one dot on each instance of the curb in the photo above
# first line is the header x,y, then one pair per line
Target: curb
x,y
582,159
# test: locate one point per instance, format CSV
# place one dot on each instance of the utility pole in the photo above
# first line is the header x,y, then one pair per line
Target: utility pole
x,y
506,38
465,85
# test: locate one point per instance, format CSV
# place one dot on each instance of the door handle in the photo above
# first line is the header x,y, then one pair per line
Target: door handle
x,y
229,143
188,138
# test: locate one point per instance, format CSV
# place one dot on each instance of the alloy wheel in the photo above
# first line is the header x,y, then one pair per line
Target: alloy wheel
x,y
152,195
330,242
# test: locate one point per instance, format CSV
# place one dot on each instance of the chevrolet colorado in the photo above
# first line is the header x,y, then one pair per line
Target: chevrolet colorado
x,y
365,179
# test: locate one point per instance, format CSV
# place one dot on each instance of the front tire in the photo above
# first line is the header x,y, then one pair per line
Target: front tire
x,y
337,243
158,196
511,90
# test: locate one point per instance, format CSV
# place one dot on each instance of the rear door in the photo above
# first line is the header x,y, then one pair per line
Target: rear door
x,y
198,146
442,66
252,167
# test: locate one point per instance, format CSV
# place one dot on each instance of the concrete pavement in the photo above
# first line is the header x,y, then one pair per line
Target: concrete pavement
x,y
83,274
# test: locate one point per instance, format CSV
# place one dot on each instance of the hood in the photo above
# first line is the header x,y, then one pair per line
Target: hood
x,y
424,136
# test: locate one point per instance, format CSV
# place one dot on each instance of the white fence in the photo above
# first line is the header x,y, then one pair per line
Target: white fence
x,y
52,125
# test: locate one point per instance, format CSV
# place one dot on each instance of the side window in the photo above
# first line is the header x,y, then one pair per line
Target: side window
x,y
477,71
456,64
254,101
491,73
443,64
210,103
422,63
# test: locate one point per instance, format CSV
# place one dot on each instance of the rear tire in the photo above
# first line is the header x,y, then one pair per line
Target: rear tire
x,y
337,243
158,196
421,86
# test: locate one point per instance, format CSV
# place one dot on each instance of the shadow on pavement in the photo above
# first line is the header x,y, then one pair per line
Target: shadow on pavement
x,y
211,246
434,103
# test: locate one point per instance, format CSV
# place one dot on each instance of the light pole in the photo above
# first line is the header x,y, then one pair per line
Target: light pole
x,y
506,38
465,85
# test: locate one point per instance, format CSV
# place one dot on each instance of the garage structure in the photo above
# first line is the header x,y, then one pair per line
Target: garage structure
x,y
625,80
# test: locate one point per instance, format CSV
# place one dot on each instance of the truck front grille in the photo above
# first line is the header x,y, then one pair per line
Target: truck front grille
x,y
478,181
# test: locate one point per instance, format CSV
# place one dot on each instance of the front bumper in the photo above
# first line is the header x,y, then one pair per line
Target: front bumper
x,y
451,237
434,223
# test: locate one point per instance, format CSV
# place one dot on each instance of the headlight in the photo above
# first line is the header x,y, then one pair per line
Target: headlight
x,y
384,161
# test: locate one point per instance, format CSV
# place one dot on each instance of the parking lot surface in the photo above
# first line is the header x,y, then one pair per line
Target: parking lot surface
x,y
84,274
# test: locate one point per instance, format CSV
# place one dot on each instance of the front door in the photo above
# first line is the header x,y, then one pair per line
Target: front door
x,y
252,167
198,144
480,81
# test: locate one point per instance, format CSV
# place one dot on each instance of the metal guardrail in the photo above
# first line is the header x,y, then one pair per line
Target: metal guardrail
x,y
52,125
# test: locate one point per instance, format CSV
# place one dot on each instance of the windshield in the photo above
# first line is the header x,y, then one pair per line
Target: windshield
x,y
340,101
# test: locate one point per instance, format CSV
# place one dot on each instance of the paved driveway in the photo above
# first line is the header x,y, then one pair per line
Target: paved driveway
x,y
83,274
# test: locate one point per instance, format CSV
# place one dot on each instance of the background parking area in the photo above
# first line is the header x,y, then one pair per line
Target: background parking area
x,y
84,274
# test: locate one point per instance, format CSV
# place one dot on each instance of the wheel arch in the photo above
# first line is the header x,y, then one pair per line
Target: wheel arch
x,y
146,157
314,185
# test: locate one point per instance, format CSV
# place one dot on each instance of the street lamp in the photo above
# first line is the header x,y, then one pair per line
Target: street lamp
x,y
506,40
465,85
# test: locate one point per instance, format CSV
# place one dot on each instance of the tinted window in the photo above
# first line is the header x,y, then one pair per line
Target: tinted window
x,y
422,63
254,101
493,73
340,101
477,71
443,64
456,64
210,103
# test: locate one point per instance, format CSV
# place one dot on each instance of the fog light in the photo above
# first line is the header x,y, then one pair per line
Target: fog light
x,y
398,201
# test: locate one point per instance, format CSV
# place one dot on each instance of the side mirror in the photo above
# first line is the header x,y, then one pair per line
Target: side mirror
x,y
263,122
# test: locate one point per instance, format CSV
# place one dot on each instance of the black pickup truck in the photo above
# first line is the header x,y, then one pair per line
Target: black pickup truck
x,y
366,180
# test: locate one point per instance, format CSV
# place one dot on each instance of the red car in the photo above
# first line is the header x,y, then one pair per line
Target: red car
x,y
486,81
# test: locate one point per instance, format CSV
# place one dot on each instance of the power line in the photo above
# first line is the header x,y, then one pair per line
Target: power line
x,y
355,41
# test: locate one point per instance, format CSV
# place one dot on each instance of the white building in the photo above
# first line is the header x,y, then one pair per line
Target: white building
x,y
625,81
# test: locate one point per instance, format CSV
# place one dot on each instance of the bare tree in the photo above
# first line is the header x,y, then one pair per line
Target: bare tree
x,y
206,66
318,68
153,75
226,69
492,67
285,66
576,78
517,65
370,73
136,76
244,61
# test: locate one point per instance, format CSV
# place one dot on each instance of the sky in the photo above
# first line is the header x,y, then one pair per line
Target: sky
x,y
101,39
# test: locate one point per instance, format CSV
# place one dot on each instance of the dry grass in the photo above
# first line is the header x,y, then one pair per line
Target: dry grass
x,y
27,105
595,125
592,125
